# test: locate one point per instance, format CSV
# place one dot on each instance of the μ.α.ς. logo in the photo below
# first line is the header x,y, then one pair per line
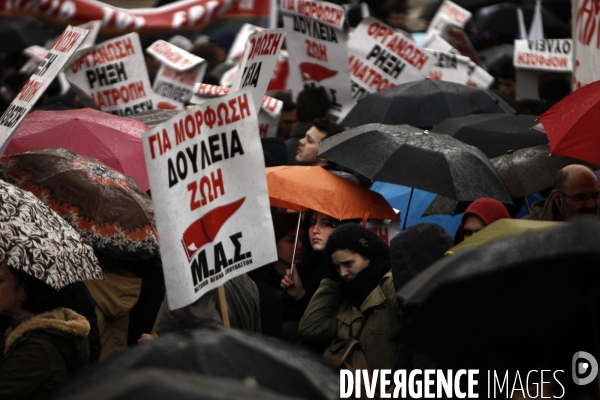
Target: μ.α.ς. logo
x,y
584,367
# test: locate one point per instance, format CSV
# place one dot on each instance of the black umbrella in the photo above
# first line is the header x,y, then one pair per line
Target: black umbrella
x,y
272,364
494,134
530,170
18,33
424,103
513,303
502,19
409,156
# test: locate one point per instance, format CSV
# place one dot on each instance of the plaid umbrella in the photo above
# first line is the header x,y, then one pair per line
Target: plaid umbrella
x,y
35,240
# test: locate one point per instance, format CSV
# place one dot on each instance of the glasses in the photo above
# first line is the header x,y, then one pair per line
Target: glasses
x,y
581,197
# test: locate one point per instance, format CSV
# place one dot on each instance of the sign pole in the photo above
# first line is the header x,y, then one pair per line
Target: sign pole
x,y
222,304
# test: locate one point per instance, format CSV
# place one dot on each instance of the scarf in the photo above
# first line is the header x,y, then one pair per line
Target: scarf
x,y
357,290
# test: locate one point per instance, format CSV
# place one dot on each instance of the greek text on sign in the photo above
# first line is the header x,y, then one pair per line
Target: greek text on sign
x,y
258,62
586,43
449,13
178,85
114,74
206,172
268,116
382,58
38,82
317,47
321,11
544,54
173,57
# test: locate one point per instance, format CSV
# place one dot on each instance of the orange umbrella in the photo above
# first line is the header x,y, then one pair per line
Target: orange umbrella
x,y
298,188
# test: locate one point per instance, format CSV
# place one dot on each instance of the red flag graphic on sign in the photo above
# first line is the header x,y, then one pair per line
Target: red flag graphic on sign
x,y
315,72
205,229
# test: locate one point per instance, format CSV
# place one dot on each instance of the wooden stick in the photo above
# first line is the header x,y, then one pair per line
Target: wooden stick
x,y
153,333
222,304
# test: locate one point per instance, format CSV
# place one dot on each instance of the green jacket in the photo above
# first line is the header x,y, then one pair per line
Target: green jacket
x,y
329,317
41,351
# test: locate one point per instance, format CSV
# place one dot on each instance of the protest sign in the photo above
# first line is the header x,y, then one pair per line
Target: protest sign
x,y
38,82
449,13
544,54
207,174
258,62
317,39
114,74
179,72
187,14
449,67
586,43
239,44
178,85
476,76
382,57
172,56
268,116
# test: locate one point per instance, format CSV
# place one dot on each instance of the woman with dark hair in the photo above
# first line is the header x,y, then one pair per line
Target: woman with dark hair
x,y
44,343
306,279
361,301
280,312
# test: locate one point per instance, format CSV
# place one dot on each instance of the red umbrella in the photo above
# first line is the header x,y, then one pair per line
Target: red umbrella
x,y
114,140
572,124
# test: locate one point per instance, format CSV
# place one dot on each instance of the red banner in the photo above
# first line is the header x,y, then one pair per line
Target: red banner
x,y
178,16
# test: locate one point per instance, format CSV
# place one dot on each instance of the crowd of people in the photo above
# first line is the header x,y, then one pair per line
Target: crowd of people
x,y
332,290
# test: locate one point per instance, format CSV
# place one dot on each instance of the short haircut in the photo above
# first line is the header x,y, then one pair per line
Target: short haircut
x,y
328,127
40,297
312,103
561,177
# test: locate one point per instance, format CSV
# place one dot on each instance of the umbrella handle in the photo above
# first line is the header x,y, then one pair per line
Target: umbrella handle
x,y
296,241
408,207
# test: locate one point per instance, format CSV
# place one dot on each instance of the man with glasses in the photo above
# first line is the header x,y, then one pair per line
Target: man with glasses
x,y
576,192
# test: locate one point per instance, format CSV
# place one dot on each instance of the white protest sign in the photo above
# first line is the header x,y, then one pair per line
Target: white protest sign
x,y
207,174
448,13
93,27
450,67
38,82
459,40
258,62
381,58
544,54
268,116
172,56
476,76
114,74
38,53
385,230
317,45
178,85
586,42
239,44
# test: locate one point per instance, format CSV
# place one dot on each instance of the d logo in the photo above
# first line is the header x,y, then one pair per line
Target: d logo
x,y
584,368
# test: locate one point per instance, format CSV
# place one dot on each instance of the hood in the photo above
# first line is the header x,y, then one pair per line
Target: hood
x,y
67,330
488,210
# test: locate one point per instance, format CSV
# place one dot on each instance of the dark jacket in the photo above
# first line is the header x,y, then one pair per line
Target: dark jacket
x,y
329,316
41,351
279,313
543,210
